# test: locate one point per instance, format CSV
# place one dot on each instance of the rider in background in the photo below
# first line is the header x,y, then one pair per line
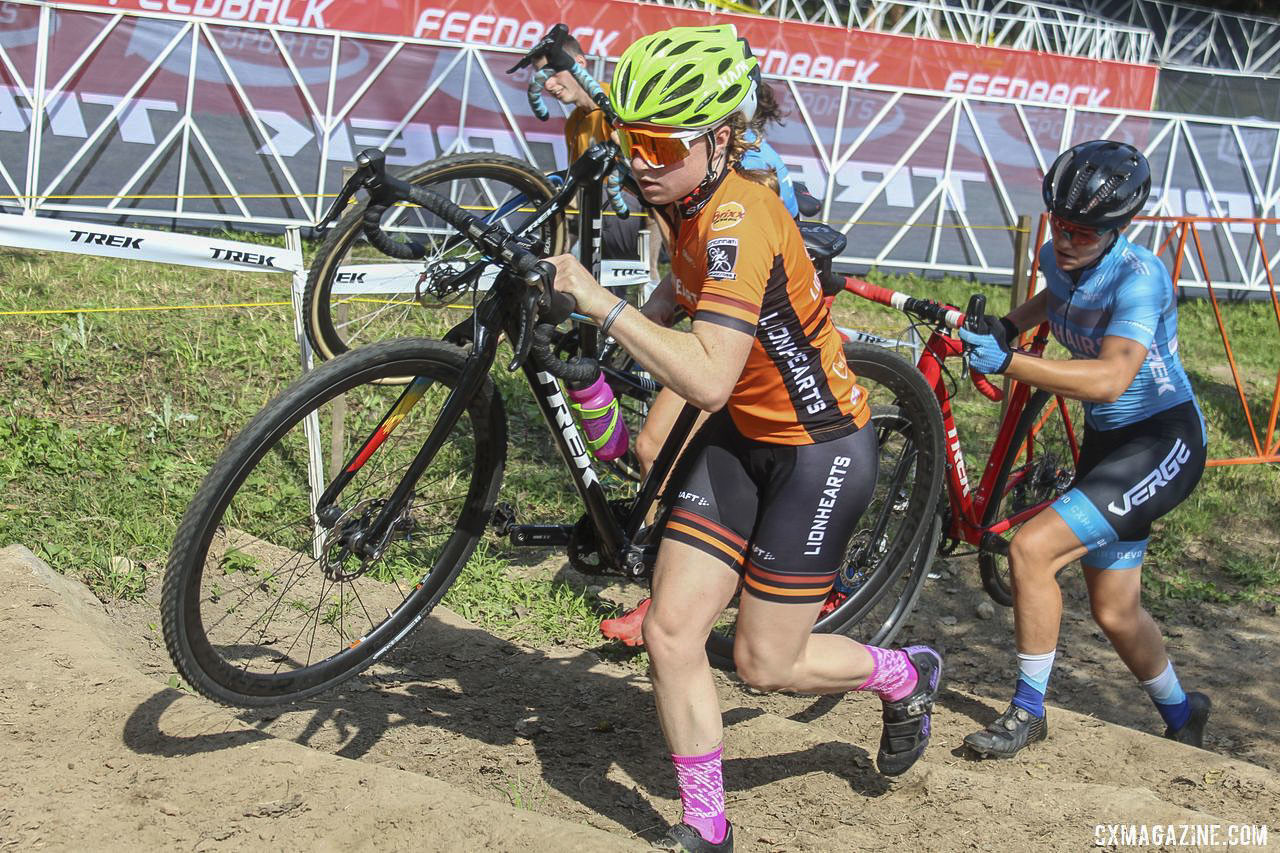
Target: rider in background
x,y
585,126
767,494
1113,306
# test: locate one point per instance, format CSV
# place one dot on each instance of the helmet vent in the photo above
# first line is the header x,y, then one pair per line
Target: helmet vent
x,y
1077,185
681,48
676,110
1104,192
645,91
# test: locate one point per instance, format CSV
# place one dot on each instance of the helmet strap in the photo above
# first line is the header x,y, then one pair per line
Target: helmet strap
x,y
691,204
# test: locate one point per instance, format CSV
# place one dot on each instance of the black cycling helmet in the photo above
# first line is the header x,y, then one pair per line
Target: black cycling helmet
x,y
1099,184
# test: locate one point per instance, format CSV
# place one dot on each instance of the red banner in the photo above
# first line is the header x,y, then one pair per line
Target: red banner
x,y
785,48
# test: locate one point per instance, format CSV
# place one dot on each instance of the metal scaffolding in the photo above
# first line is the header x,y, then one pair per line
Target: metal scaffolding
x,y
225,124
1016,24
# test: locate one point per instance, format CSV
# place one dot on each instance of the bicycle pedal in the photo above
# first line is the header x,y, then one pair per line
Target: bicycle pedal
x,y
504,518
539,535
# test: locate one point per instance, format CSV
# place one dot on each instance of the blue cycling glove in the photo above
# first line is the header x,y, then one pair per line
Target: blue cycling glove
x,y
989,348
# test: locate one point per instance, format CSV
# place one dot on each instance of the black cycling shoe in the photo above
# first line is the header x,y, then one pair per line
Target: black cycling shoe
x,y
1192,731
683,837
907,722
1008,733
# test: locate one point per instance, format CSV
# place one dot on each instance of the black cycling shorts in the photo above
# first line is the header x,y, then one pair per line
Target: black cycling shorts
x,y
1128,477
781,515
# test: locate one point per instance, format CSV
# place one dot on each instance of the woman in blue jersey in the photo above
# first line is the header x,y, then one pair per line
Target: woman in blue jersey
x,y
1112,305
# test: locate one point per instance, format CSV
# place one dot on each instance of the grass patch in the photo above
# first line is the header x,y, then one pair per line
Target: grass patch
x,y
109,422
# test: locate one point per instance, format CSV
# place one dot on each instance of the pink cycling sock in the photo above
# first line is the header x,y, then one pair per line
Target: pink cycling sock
x,y
702,793
892,675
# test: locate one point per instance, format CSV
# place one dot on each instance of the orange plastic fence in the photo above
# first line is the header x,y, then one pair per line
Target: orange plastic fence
x,y
1266,444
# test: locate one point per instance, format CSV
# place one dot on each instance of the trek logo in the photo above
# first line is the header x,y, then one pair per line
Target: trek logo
x,y
568,429
957,460
696,500
238,257
1161,476
722,258
835,479
785,352
93,238
1160,372
350,277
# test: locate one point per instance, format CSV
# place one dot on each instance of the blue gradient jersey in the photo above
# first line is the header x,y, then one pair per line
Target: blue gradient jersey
x,y
767,158
1127,294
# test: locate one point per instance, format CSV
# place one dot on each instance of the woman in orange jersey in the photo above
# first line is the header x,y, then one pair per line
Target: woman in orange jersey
x,y
768,491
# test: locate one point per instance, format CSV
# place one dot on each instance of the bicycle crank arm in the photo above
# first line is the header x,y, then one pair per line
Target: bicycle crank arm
x,y
994,543
540,535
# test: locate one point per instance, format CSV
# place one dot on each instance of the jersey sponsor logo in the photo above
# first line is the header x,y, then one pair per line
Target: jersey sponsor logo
x,y
761,555
1160,373
782,346
683,292
94,238
695,499
840,367
727,215
238,257
1162,475
822,515
722,258
1078,344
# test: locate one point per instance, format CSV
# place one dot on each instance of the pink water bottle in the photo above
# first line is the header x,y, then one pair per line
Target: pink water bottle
x,y
599,417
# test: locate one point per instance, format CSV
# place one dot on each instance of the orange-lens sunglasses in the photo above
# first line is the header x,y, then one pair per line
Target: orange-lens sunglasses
x,y
1077,234
655,149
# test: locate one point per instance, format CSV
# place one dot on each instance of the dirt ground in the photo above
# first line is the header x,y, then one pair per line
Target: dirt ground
x,y
461,741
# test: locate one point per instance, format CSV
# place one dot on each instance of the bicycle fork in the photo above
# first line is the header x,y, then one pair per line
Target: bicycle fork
x,y
368,544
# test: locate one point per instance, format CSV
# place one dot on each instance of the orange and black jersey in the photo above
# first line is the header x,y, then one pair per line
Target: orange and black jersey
x,y
740,262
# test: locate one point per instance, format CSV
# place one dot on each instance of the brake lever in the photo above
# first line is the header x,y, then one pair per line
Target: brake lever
x,y
549,47
523,343
345,195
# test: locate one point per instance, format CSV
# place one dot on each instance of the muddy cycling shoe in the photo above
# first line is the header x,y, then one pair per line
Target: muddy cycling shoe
x,y
685,837
626,628
1008,733
907,722
1192,731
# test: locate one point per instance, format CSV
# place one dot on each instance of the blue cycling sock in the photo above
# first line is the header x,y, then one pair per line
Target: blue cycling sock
x,y
1166,692
1033,681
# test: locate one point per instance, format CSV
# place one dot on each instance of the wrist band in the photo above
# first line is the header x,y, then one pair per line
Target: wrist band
x,y
613,315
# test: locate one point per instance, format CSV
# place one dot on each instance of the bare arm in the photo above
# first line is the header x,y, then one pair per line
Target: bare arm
x,y
1031,313
1094,380
702,365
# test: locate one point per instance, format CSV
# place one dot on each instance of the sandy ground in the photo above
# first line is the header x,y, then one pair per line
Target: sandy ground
x,y
463,741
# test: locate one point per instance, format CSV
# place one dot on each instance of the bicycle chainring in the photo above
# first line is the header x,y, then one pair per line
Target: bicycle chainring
x,y
584,545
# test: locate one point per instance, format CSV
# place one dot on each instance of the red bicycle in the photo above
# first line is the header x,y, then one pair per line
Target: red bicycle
x,y
1032,460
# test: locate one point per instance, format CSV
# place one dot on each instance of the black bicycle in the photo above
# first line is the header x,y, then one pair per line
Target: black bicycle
x,y
338,518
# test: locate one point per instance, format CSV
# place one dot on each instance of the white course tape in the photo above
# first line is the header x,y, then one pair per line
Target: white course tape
x,y
136,244
400,278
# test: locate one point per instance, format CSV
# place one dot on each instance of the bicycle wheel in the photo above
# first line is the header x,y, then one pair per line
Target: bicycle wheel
x,y
262,603
889,553
357,295
1039,466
